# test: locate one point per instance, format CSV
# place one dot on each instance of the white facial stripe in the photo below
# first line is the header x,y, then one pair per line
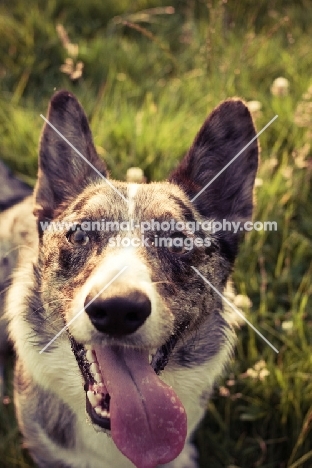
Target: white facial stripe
x,y
115,261
137,277
109,268
132,190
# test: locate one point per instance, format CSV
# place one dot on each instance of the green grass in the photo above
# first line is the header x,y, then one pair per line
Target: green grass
x,y
150,77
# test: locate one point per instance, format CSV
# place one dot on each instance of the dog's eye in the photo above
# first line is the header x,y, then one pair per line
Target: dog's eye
x,y
179,243
78,237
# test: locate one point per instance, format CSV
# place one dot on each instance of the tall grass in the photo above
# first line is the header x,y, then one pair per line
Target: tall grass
x,y
151,74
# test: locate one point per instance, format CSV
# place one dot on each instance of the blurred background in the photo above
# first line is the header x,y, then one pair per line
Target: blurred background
x,y
147,73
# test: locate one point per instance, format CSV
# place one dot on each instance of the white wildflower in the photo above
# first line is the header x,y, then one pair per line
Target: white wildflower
x,y
135,175
255,108
287,325
258,371
280,87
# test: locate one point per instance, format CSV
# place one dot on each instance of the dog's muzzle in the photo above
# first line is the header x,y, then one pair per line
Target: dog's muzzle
x,y
124,394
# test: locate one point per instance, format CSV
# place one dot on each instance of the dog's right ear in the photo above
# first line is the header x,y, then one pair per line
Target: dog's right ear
x,y
219,171
63,172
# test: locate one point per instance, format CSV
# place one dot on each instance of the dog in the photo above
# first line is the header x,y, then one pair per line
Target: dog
x,y
119,344
12,191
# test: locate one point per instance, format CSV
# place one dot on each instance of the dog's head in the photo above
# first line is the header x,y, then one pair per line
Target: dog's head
x,y
120,262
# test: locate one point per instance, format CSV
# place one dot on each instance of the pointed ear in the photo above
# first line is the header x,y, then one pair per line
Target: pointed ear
x,y
223,135
62,172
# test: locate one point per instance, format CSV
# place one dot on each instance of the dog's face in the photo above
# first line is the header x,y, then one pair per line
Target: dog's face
x,y
128,291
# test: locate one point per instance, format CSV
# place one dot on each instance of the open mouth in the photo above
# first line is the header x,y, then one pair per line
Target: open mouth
x,y
125,396
97,396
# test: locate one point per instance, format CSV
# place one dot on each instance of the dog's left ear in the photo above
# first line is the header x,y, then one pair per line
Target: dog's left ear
x,y
63,173
223,135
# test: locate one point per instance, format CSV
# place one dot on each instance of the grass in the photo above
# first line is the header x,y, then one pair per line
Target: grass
x,y
151,74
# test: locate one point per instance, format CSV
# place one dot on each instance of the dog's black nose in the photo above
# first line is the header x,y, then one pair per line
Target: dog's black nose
x,y
119,315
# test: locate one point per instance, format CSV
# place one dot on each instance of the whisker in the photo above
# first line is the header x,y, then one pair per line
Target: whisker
x,y
162,282
49,303
18,247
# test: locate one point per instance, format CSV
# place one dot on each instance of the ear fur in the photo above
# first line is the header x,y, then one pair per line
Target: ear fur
x,y
227,130
62,173
229,197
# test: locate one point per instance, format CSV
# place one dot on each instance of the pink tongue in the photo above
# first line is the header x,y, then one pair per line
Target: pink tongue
x,y
148,421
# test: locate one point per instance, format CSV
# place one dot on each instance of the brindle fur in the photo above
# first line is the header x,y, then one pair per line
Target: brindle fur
x,y
53,277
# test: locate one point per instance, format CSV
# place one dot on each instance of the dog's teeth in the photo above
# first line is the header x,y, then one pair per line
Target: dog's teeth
x,y
94,368
92,398
98,410
104,414
98,396
98,378
90,356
